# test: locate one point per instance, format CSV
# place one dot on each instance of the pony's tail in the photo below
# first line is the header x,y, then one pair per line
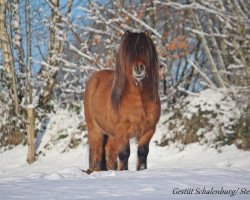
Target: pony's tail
x,y
103,163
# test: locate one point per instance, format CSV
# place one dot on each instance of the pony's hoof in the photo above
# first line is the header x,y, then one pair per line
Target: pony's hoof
x,y
142,167
90,171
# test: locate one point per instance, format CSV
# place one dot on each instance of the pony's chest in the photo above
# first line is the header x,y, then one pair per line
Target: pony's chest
x,y
140,117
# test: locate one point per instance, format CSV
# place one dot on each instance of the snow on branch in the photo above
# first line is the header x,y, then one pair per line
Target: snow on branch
x,y
211,84
98,12
76,50
181,89
198,6
72,67
68,66
206,34
142,23
101,32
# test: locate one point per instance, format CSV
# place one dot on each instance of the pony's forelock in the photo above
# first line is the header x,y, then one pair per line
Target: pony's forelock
x,y
134,46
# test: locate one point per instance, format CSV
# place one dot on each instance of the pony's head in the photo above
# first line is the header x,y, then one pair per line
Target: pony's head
x,y
136,63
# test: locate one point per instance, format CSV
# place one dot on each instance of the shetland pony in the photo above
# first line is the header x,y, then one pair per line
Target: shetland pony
x,y
123,103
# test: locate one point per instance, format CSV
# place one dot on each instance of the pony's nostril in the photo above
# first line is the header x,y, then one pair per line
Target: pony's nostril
x,y
139,69
142,68
136,68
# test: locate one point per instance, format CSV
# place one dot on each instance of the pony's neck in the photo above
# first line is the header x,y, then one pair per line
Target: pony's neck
x,y
143,88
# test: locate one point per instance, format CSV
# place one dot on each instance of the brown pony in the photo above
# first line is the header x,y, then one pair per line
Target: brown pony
x,y
123,103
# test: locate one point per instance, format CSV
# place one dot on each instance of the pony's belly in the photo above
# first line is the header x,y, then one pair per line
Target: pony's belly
x,y
134,128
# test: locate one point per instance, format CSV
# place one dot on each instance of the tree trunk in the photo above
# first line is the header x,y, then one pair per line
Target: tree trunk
x,y
7,56
56,45
31,134
218,52
28,94
18,45
28,53
214,69
18,35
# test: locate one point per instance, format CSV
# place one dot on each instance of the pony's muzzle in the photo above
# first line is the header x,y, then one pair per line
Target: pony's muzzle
x,y
139,72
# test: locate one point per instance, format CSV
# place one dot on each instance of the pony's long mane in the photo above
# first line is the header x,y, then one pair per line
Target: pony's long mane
x,y
134,46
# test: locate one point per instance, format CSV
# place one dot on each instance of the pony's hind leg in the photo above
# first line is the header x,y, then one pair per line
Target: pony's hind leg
x,y
143,149
111,153
103,162
96,147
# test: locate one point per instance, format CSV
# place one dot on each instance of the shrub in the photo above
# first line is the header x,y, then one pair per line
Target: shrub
x,y
212,116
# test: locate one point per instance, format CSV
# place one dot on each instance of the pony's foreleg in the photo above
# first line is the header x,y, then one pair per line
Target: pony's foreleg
x,y
111,153
143,149
123,150
96,139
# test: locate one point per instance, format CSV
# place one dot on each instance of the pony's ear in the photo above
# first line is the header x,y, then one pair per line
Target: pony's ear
x,y
147,33
125,34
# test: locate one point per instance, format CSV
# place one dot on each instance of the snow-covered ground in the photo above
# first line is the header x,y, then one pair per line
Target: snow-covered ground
x,y
196,169
70,183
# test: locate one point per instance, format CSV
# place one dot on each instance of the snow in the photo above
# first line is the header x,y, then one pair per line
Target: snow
x,y
217,107
71,183
60,176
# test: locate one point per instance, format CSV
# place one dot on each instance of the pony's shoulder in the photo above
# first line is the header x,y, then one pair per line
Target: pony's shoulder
x,y
105,75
